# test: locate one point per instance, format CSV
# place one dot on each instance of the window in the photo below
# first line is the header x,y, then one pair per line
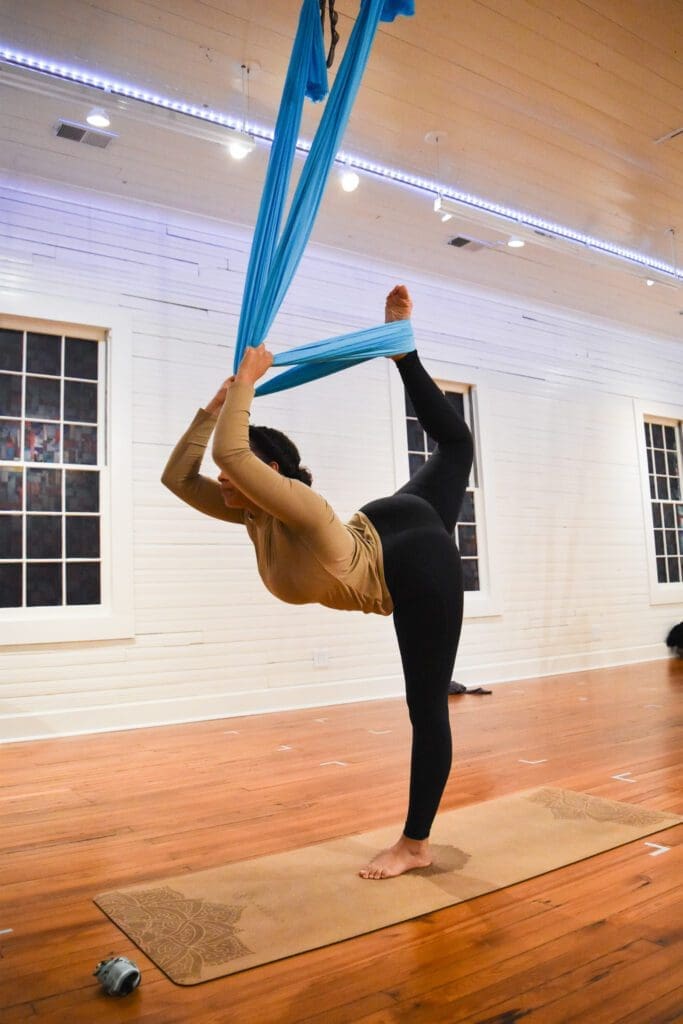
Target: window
x,y
420,446
66,557
50,466
664,466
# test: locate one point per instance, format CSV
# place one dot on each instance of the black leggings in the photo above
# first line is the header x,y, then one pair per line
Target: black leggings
x,y
423,574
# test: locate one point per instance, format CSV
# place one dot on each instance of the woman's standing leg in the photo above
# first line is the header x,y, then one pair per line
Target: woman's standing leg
x,y
423,575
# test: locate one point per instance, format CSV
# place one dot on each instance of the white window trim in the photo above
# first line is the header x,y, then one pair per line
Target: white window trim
x,y
660,593
114,618
486,602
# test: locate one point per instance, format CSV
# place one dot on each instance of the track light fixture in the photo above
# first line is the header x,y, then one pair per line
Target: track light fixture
x,y
349,180
440,208
240,145
98,118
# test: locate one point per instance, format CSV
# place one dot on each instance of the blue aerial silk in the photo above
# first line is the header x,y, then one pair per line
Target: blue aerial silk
x,y
276,251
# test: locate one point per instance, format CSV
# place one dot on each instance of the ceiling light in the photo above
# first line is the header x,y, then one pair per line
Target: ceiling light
x,y
649,282
241,145
349,181
516,243
98,118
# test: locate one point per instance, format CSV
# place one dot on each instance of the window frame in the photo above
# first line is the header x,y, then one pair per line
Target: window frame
x,y
660,593
485,602
114,617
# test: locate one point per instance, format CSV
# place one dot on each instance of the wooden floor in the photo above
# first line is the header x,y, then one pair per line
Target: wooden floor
x,y
599,942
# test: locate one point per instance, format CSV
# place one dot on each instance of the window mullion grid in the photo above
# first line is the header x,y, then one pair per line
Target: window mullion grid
x,y
24,473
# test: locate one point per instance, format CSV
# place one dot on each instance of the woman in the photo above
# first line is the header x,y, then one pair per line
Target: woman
x,y
396,555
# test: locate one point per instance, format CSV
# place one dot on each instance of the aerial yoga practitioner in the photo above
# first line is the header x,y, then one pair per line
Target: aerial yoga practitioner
x,y
397,554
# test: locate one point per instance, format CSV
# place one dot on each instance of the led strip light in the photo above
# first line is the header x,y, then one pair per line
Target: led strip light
x,y
112,87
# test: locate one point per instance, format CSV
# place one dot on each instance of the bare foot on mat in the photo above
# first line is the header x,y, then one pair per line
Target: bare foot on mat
x,y
405,855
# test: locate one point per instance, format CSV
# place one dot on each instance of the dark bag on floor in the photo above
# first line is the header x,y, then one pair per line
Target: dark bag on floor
x,y
675,639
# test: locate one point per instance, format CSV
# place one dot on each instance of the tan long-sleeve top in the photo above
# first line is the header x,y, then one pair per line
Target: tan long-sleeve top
x,y
304,553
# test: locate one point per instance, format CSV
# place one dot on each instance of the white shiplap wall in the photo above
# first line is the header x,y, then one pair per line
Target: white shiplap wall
x,y
559,462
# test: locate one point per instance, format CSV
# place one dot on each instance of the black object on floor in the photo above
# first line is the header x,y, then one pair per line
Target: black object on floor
x,y
458,688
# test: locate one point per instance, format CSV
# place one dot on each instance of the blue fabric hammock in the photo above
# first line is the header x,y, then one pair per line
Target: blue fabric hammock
x,y
275,253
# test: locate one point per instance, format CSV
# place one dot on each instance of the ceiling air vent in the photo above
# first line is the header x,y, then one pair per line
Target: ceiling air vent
x,y
460,241
82,133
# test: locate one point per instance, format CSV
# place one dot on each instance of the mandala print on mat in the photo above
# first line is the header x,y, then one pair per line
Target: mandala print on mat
x,y
180,934
568,805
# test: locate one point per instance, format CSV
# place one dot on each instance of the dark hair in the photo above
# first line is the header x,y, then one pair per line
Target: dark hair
x,y
274,446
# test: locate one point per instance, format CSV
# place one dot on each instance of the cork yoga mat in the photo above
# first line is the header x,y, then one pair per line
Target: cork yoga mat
x,y
207,924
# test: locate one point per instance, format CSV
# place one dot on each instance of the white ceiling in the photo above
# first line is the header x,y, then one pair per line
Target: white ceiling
x,y
549,106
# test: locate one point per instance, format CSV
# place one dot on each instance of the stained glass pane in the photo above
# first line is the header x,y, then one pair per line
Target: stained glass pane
x,y
11,489
10,394
470,574
82,537
416,436
82,491
44,536
457,400
44,490
80,358
10,432
467,511
10,350
43,584
10,584
10,536
44,354
83,583
80,445
467,540
41,442
80,402
42,398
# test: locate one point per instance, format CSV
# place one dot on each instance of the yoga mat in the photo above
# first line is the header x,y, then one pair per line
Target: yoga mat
x,y
208,924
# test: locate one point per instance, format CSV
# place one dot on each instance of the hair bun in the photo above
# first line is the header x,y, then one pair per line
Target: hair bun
x,y
274,446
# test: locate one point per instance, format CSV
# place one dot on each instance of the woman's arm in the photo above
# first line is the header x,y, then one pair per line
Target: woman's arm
x,y
182,475
290,501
